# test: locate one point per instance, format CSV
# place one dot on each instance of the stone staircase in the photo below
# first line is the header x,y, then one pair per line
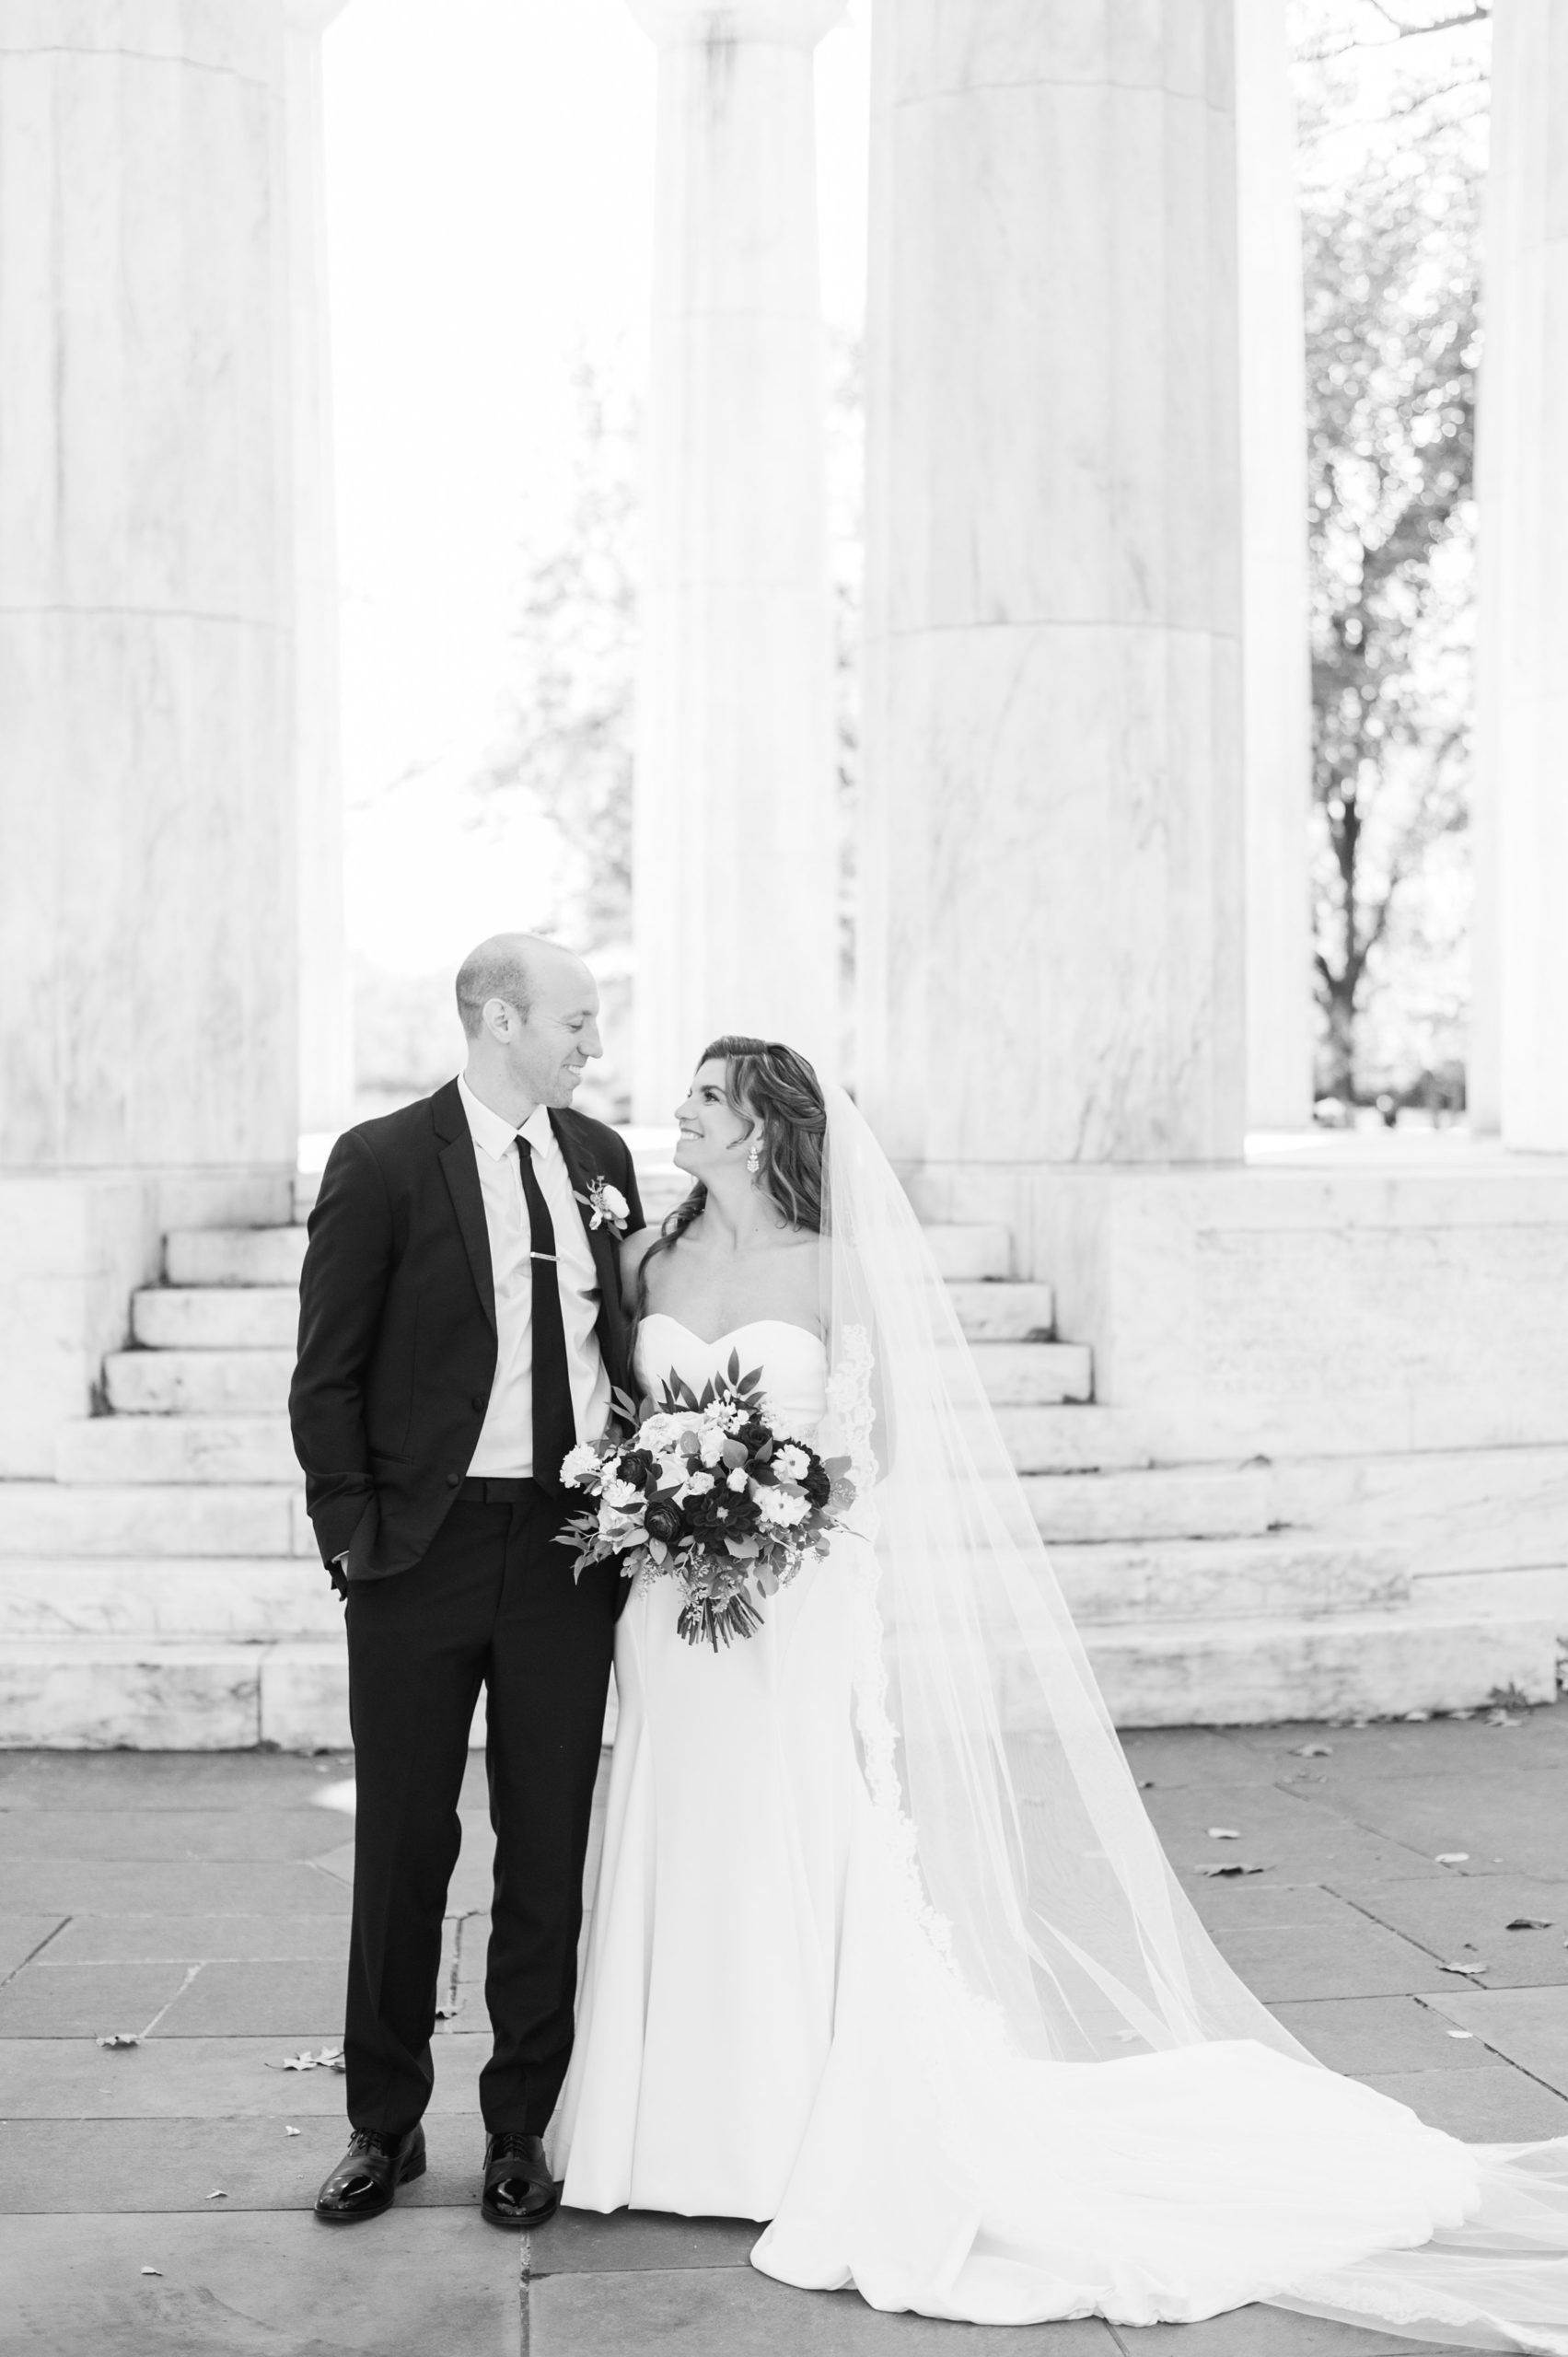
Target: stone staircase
x,y
164,1590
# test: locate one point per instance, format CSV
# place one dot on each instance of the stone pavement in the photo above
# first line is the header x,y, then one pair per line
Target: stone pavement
x,y
198,1903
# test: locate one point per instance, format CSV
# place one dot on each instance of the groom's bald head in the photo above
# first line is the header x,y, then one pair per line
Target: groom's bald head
x,y
513,967
530,1009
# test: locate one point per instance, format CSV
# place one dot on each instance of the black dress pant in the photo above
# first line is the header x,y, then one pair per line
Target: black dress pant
x,y
493,1602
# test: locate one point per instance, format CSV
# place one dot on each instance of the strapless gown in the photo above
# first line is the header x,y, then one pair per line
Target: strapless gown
x,y
763,2032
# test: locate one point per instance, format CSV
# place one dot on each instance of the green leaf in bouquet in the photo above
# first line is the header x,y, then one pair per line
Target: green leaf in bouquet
x,y
744,1549
627,1406
677,1392
835,1466
734,1452
689,1445
733,1369
749,1383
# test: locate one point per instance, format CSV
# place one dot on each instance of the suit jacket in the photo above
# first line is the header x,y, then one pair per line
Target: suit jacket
x,y
397,1323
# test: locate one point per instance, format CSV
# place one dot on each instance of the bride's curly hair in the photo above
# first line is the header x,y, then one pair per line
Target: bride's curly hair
x,y
780,1093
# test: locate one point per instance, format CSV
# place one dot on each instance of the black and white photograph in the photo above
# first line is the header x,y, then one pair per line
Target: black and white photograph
x,y
783,1178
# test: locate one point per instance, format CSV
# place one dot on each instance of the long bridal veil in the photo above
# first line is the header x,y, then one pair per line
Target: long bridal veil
x,y
1037,1871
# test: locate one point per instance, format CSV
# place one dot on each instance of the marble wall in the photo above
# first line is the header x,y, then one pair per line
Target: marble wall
x,y
148,837
736,831
1052,946
1521,809
1277,683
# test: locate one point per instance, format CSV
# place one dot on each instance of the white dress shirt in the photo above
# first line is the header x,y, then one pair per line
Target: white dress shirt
x,y
505,1439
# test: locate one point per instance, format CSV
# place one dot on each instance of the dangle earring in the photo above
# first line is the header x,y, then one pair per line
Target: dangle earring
x,y
754,1158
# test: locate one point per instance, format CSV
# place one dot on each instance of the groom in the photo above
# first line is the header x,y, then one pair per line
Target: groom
x,y
460,1328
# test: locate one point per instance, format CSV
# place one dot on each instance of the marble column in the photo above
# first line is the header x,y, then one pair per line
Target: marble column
x,y
735,828
1052,949
1520,1081
1275,662
147,841
326,1060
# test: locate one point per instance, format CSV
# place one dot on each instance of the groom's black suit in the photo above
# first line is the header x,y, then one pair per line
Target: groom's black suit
x,y
449,1587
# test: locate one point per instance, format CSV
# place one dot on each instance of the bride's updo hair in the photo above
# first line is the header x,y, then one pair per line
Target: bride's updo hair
x,y
778,1090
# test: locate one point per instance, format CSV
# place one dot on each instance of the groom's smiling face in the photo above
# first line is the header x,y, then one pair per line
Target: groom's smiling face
x,y
551,1045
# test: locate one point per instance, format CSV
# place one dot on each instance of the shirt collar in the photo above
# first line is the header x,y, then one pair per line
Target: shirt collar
x,y
495,1134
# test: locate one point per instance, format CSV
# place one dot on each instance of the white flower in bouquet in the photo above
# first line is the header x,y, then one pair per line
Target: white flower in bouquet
x,y
782,1508
791,1464
695,1484
579,1462
738,1478
710,1444
623,1495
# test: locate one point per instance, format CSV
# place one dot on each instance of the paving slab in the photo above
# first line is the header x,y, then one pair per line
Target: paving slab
x,y
620,2242
94,1939
132,1887
169,1833
23,1936
416,2285
1448,1747
1298,1838
1469,1914
1509,1824
1529,2025
1169,1757
265,1998
177,2078
1358,2035
87,2000
1349,1958
136,1780
1493,2106
59,2167
1263,2332
731,2312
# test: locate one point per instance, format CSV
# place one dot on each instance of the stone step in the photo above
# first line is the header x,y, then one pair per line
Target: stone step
x,y
198,1383
969,1254
1034,1374
1004,1310
215,1318
246,1598
50,1518
176,1449
1457,1509
1227,1579
233,1256
159,1694
1070,1440
1249,1673
1182,1502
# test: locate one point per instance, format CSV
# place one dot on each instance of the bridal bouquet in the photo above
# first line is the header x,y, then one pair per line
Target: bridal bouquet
x,y
709,1492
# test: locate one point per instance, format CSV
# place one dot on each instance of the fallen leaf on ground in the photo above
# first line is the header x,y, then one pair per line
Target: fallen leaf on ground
x,y
217,2194
291,2131
152,2270
1461,2032
1312,1752
1528,1923
1469,1970
1452,1858
1501,1719
118,2038
1223,1833
1227,1871
331,2058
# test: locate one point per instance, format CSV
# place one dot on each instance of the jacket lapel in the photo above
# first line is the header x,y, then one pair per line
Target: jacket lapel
x,y
461,1170
603,1244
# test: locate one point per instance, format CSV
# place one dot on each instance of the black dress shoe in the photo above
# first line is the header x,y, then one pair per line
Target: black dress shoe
x,y
518,2188
370,2171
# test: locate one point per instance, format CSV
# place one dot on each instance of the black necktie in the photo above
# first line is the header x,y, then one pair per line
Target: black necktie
x,y
554,1426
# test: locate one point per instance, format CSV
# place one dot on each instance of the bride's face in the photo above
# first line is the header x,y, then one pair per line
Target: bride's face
x,y
713,1136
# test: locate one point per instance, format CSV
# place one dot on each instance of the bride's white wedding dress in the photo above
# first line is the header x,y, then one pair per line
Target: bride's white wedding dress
x,y
768,2029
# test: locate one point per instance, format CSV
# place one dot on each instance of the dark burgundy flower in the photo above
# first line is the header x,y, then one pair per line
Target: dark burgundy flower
x,y
721,1513
662,1520
817,1483
638,1466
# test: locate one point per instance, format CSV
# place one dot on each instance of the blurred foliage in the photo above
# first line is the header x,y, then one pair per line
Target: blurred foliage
x,y
1393,140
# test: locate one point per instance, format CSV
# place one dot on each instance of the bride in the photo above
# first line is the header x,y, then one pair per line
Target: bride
x,y
885,1950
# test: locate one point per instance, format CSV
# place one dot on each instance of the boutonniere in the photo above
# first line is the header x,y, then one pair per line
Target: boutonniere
x,y
607,1204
